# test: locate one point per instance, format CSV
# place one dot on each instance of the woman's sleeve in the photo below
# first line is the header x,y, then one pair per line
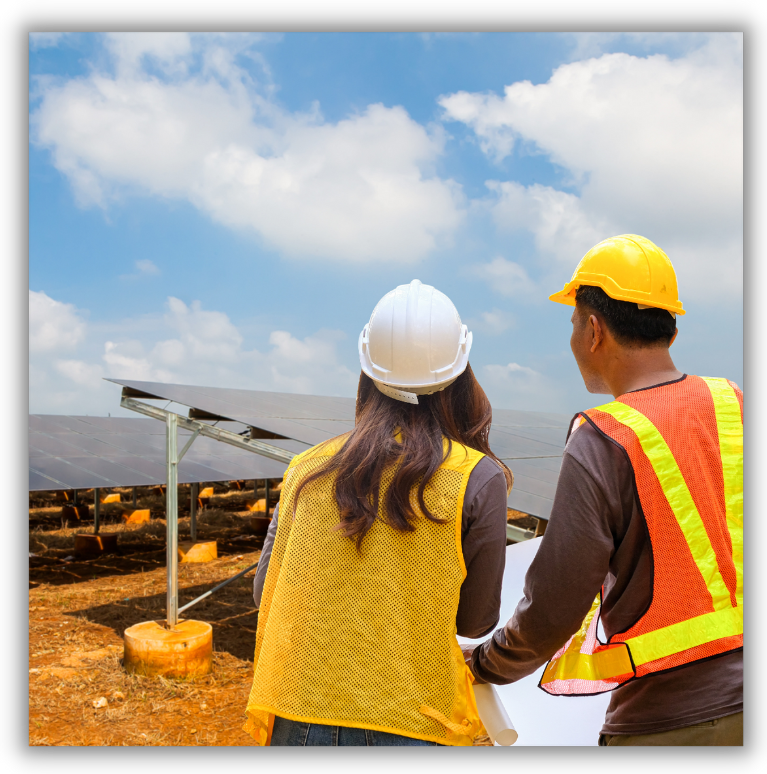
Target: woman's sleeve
x,y
263,561
484,550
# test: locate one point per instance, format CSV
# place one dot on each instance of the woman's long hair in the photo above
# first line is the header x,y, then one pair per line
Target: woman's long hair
x,y
461,413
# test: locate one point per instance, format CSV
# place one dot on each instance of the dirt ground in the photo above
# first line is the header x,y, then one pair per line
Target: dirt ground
x,y
79,693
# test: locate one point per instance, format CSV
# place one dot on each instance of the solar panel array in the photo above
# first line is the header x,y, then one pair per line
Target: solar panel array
x,y
67,452
531,443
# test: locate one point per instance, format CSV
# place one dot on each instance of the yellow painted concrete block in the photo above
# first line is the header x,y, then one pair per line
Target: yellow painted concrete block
x,y
136,517
190,553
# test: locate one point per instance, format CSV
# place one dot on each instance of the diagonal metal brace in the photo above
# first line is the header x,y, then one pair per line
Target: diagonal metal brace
x,y
188,444
217,433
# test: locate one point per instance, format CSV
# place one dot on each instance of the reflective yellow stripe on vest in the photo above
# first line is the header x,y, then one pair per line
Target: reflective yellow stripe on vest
x,y
679,498
684,635
730,427
608,662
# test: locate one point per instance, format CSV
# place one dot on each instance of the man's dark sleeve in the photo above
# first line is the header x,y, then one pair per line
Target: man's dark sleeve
x,y
483,543
561,583
263,560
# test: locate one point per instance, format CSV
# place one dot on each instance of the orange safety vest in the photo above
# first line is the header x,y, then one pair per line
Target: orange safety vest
x,y
685,444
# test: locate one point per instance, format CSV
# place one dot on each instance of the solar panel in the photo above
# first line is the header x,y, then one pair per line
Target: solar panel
x,y
531,443
85,452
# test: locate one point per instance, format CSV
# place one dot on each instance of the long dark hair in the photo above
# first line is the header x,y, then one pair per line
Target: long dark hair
x,y
461,413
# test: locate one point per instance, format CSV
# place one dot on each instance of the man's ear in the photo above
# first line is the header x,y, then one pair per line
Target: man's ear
x,y
597,332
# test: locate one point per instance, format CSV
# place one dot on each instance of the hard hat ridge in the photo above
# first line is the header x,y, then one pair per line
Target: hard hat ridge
x,y
414,343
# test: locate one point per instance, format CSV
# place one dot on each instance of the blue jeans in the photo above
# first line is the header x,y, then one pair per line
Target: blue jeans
x,y
293,733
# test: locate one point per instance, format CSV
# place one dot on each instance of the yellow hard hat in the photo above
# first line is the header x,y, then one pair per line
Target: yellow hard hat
x,y
628,268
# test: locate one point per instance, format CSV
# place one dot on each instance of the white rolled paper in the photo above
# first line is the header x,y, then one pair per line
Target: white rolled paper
x,y
493,714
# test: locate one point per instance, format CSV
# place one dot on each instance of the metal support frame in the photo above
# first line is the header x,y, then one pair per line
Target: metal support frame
x,y
208,431
266,496
171,515
193,494
135,499
216,588
172,457
517,534
96,509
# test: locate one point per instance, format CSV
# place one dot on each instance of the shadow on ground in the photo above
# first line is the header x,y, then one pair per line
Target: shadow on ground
x,y
231,612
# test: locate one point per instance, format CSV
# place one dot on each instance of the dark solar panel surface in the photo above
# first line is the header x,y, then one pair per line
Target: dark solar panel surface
x,y
530,443
83,452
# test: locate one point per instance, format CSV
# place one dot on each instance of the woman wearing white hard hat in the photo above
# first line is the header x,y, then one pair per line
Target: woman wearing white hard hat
x,y
389,540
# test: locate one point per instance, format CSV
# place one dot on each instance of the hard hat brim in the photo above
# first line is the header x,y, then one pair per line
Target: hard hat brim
x,y
567,294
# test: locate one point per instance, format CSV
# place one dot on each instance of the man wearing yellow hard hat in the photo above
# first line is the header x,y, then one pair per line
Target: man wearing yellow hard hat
x,y
646,530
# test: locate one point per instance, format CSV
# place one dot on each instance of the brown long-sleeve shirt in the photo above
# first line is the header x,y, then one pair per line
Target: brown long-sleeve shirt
x,y
596,533
483,541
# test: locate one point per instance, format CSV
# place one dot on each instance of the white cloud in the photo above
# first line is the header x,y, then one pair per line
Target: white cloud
x,y
145,266
361,189
654,145
80,372
45,39
593,44
559,221
53,325
169,50
188,345
505,277
493,322
519,387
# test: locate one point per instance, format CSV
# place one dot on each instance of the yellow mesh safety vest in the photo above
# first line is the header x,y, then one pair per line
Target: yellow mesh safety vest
x,y
365,640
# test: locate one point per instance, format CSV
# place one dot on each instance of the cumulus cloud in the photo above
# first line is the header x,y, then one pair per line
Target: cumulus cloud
x,y
187,344
144,268
45,39
53,325
505,277
520,387
652,144
493,322
360,189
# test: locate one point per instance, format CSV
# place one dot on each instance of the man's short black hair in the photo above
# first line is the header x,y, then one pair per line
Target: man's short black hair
x,y
630,325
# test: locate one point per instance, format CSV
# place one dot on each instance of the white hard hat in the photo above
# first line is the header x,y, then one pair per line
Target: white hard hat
x,y
414,343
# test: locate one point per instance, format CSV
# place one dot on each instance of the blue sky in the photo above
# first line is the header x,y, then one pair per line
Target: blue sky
x,y
227,210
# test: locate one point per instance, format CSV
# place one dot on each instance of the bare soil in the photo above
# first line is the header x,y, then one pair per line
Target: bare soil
x,y
79,693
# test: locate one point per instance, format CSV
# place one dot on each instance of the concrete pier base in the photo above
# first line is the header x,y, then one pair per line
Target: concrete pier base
x,y
189,553
89,546
259,525
141,516
186,651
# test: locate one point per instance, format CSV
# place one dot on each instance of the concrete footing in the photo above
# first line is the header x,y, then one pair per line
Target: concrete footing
x,y
95,545
135,517
186,651
193,552
75,512
259,525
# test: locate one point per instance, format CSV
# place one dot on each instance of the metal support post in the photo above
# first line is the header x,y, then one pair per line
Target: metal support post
x,y
171,516
135,501
193,510
96,507
266,496
75,498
